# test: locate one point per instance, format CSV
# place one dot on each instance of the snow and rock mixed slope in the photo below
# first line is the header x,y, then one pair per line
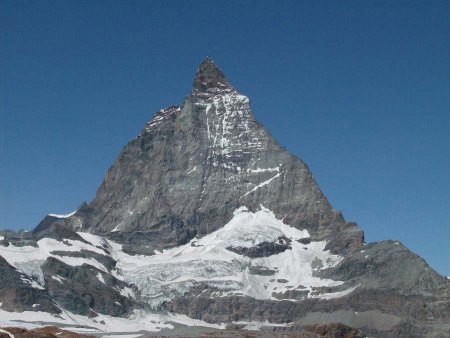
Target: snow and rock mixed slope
x,y
205,220
221,264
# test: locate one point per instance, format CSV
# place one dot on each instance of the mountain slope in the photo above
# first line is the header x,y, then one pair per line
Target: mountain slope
x,y
205,215
192,166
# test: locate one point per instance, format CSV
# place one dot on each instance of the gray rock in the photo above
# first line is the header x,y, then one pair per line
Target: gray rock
x,y
261,270
79,289
17,292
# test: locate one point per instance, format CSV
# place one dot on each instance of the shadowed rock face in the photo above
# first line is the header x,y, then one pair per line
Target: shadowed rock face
x,y
79,290
193,165
18,294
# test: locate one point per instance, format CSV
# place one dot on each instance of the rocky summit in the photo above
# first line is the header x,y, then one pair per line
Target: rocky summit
x,y
206,224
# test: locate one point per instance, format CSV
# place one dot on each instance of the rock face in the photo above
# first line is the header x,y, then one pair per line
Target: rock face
x,y
193,165
18,292
205,214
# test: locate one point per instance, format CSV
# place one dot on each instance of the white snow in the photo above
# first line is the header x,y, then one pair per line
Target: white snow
x,y
227,121
262,184
28,259
192,170
247,229
173,272
58,279
62,216
97,241
100,278
262,170
127,292
138,321
337,294
32,283
7,333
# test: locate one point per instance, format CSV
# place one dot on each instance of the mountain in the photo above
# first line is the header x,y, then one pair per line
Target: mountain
x,y
205,221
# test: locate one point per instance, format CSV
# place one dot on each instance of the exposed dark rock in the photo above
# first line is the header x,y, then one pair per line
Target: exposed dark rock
x,y
80,290
19,238
18,294
334,330
261,270
263,249
304,240
209,79
56,228
42,332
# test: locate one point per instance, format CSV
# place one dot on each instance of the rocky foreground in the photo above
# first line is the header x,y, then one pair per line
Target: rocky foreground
x,y
334,330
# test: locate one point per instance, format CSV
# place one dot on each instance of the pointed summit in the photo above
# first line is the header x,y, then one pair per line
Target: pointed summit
x,y
209,79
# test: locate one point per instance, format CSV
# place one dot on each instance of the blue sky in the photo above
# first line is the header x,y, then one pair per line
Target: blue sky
x,y
360,90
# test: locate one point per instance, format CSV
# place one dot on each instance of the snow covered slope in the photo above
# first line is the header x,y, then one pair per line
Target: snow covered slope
x,y
219,261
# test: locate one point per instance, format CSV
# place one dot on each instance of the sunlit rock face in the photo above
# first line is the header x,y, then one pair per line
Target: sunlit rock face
x,y
193,165
205,220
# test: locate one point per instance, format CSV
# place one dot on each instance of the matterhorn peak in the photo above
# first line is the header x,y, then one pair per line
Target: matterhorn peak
x,y
209,79
205,220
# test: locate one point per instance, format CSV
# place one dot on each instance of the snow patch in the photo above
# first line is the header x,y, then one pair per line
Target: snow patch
x,y
7,333
261,184
127,292
338,294
137,322
28,259
58,279
63,216
260,170
100,278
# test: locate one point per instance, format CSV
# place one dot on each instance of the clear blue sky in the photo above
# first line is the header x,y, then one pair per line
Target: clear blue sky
x,y
360,90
